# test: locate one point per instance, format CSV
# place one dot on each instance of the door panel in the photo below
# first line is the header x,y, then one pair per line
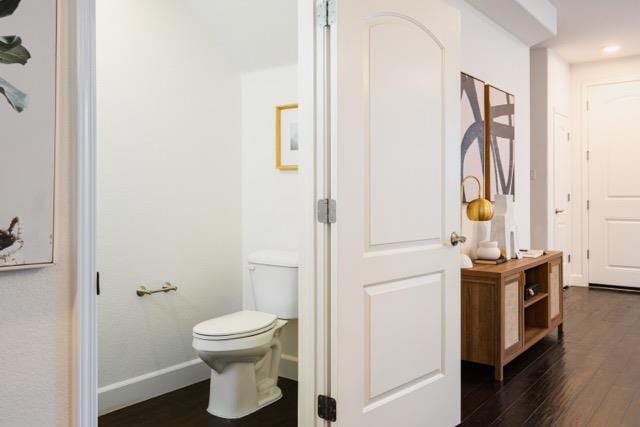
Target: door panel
x,y
614,189
395,286
562,189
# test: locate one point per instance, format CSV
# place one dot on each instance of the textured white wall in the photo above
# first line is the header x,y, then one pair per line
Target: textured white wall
x,y
494,55
582,75
169,175
36,305
271,209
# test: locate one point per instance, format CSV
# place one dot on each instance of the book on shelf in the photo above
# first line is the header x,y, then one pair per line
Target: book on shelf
x,y
491,261
531,253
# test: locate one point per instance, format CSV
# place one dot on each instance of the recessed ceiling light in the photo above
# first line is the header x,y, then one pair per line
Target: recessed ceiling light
x,y
611,48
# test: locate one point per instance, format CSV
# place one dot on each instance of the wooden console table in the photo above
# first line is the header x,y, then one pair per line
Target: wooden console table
x,y
497,323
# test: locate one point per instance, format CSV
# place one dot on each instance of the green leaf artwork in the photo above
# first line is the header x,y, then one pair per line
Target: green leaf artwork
x,y
12,52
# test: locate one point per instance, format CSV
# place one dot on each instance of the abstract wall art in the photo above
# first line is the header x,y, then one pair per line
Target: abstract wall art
x,y
27,145
472,150
287,140
500,136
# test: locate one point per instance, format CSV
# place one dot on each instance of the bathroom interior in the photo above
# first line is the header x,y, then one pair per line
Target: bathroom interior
x,y
189,197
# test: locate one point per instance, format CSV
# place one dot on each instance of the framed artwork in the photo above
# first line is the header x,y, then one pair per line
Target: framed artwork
x,y
27,146
287,142
472,150
500,147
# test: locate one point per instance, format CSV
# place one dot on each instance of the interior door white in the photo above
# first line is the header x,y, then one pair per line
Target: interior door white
x,y
562,189
396,283
614,186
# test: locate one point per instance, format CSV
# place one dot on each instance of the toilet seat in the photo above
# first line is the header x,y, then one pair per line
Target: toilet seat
x,y
236,325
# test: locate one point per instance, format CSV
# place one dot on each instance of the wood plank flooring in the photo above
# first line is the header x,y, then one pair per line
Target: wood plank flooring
x,y
187,407
590,377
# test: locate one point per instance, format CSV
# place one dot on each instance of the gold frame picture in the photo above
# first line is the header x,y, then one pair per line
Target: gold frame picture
x,y
290,133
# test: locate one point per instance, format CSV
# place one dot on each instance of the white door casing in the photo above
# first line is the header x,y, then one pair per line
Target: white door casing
x,y
396,280
561,208
613,138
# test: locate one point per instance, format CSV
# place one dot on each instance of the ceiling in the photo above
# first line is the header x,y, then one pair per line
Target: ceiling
x,y
586,26
252,34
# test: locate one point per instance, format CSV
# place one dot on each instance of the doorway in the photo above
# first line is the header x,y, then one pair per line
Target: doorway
x,y
192,178
613,126
562,190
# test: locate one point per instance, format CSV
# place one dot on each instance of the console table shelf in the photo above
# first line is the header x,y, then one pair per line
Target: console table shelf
x,y
498,324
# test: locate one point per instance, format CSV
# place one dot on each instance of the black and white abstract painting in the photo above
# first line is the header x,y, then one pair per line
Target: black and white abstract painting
x,y
500,118
27,122
473,134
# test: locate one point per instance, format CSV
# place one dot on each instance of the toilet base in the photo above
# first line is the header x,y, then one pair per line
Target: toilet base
x,y
235,394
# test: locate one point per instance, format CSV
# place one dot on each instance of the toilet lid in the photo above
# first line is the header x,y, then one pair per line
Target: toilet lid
x,y
235,324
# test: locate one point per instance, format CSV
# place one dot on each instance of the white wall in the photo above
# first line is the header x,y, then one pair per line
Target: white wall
x,y
583,75
271,213
36,350
550,89
492,54
169,204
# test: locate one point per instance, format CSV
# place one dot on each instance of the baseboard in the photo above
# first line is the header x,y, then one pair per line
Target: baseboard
x,y
289,367
138,389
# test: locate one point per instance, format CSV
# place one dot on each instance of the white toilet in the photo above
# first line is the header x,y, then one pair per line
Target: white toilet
x,y
243,348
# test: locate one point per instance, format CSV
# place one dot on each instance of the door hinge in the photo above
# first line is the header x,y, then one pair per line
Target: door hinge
x,y
97,283
568,197
588,204
588,154
588,254
568,136
326,211
327,408
326,12
588,105
569,258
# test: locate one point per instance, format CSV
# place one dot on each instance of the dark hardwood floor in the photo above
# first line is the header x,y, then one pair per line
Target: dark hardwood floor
x,y
589,377
188,407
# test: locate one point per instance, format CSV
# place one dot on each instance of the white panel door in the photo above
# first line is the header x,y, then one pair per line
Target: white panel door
x,y
614,184
396,290
562,189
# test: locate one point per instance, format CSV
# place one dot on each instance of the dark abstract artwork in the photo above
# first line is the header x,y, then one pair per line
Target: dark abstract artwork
x,y
473,133
501,136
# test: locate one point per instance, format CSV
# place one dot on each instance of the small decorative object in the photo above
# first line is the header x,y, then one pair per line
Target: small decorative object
x,y
472,149
287,140
28,122
500,137
531,290
503,227
479,209
488,250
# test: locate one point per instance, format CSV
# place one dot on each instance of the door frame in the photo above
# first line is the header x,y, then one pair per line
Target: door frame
x,y
311,343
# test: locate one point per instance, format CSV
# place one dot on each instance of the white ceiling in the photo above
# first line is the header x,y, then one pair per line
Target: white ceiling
x,y
252,34
586,26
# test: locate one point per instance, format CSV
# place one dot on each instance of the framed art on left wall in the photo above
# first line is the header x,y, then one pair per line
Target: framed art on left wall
x,y
28,36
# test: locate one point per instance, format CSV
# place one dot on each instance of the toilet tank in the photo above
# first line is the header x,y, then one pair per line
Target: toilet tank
x,y
274,280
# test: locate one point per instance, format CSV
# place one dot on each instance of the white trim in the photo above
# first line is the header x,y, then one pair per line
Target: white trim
x,y
86,365
147,386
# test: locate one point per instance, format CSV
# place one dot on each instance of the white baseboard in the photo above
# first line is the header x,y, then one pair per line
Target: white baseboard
x,y
289,367
138,389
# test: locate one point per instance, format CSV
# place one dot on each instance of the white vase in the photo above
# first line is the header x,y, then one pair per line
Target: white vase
x,y
488,250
